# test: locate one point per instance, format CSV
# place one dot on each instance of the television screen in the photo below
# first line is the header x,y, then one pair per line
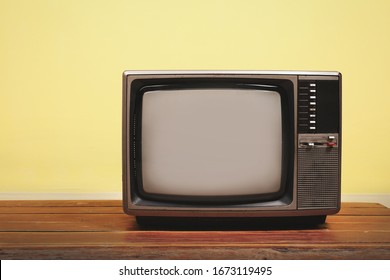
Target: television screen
x,y
211,142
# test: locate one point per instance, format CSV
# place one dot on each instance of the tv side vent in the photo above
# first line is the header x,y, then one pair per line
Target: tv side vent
x,y
318,177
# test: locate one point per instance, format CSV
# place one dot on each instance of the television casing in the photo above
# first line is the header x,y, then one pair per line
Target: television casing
x,y
313,145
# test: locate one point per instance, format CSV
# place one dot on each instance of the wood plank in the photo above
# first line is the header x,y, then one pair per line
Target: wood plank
x,y
60,203
126,225
118,210
275,252
361,205
357,219
118,203
61,210
65,222
345,210
193,238
364,211
122,222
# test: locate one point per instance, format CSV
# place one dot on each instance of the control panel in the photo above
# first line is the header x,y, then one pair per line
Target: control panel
x,y
318,106
323,140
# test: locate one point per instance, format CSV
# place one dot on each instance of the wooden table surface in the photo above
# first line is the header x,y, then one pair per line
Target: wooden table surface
x,y
100,230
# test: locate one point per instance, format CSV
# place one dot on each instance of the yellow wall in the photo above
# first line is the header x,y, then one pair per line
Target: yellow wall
x,y
61,64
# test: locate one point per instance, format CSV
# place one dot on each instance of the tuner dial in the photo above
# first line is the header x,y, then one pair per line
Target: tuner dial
x,y
331,144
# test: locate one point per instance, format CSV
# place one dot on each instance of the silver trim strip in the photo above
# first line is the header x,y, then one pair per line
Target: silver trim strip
x,y
302,74
316,77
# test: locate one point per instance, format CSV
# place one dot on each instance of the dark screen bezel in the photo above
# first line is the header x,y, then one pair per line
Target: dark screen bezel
x,y
140,86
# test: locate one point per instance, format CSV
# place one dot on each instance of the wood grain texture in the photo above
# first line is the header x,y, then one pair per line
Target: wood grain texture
x,y
100,230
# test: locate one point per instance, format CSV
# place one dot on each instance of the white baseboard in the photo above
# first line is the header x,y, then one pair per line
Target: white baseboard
x,y
383,198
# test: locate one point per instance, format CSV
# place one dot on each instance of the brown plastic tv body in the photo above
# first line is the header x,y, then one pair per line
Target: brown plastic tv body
x,y
231,144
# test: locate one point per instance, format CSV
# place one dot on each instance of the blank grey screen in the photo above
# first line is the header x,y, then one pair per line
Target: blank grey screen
x,y
220,142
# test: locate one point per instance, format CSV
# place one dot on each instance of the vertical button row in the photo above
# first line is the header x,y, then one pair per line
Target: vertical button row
x,y
313,106
307,106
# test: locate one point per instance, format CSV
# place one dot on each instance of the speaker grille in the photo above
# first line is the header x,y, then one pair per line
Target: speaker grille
x,y
318,178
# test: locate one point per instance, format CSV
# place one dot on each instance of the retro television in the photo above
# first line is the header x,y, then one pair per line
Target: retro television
x,y
231,144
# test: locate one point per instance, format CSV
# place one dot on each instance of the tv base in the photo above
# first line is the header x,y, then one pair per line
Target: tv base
x,y
207,223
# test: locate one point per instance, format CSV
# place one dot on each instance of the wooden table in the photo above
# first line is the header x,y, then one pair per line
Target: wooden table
x,y
99,230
